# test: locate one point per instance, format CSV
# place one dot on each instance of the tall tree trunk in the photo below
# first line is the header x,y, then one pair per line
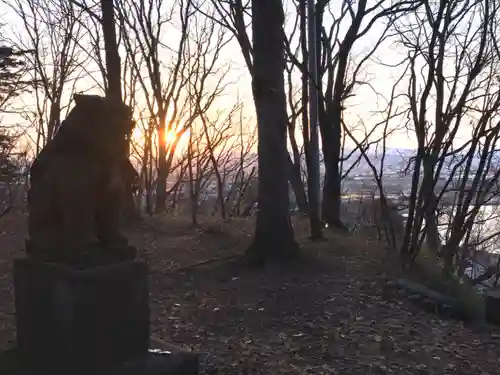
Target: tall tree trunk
x,y
113,68
332,192
331,121
274,236
331,137
313,170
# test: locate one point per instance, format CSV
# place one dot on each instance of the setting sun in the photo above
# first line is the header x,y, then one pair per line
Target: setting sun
x,y
171,136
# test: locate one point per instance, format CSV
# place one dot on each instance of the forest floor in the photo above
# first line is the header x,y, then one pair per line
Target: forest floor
x,y
326,315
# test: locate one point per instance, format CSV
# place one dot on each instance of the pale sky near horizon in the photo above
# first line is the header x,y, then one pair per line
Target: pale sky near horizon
x,y
362,105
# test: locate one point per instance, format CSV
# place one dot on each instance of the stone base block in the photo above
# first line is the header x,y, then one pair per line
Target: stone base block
x,y
492,306
168,361
73,319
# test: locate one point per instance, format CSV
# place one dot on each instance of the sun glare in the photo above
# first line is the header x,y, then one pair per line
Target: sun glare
x,y
170,138
137,134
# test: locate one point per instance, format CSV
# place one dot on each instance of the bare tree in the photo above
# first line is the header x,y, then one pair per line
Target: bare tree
x,y
336,48
211,146
12,155
452,85
274,236
12,68
194,63
50,30
235,16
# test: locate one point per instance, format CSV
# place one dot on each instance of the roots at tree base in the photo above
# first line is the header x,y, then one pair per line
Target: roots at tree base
x,y
273,244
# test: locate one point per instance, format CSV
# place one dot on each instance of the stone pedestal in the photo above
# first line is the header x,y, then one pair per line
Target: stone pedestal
x,y
492,307
173,361
92,321
80,319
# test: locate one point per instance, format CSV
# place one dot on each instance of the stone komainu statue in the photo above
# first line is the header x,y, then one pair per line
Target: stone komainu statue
x,y
76,183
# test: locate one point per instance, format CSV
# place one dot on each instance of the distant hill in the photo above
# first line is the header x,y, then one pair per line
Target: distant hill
x,y
396,159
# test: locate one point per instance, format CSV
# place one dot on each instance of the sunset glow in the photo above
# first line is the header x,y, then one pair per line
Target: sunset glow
x,y
170,137
138,137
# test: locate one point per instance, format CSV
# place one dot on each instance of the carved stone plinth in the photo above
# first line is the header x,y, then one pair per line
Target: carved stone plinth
x,y
80,319
172,361
492,307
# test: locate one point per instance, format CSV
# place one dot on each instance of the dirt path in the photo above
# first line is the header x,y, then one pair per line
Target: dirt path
x,y
325,315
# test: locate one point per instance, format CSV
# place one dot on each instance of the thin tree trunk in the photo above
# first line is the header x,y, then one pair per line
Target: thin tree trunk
x,y
313,171
114,92
193,204
431,221
298,186
218,177
161,182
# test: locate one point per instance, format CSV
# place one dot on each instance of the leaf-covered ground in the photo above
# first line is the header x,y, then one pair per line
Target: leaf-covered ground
x,y
326,315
